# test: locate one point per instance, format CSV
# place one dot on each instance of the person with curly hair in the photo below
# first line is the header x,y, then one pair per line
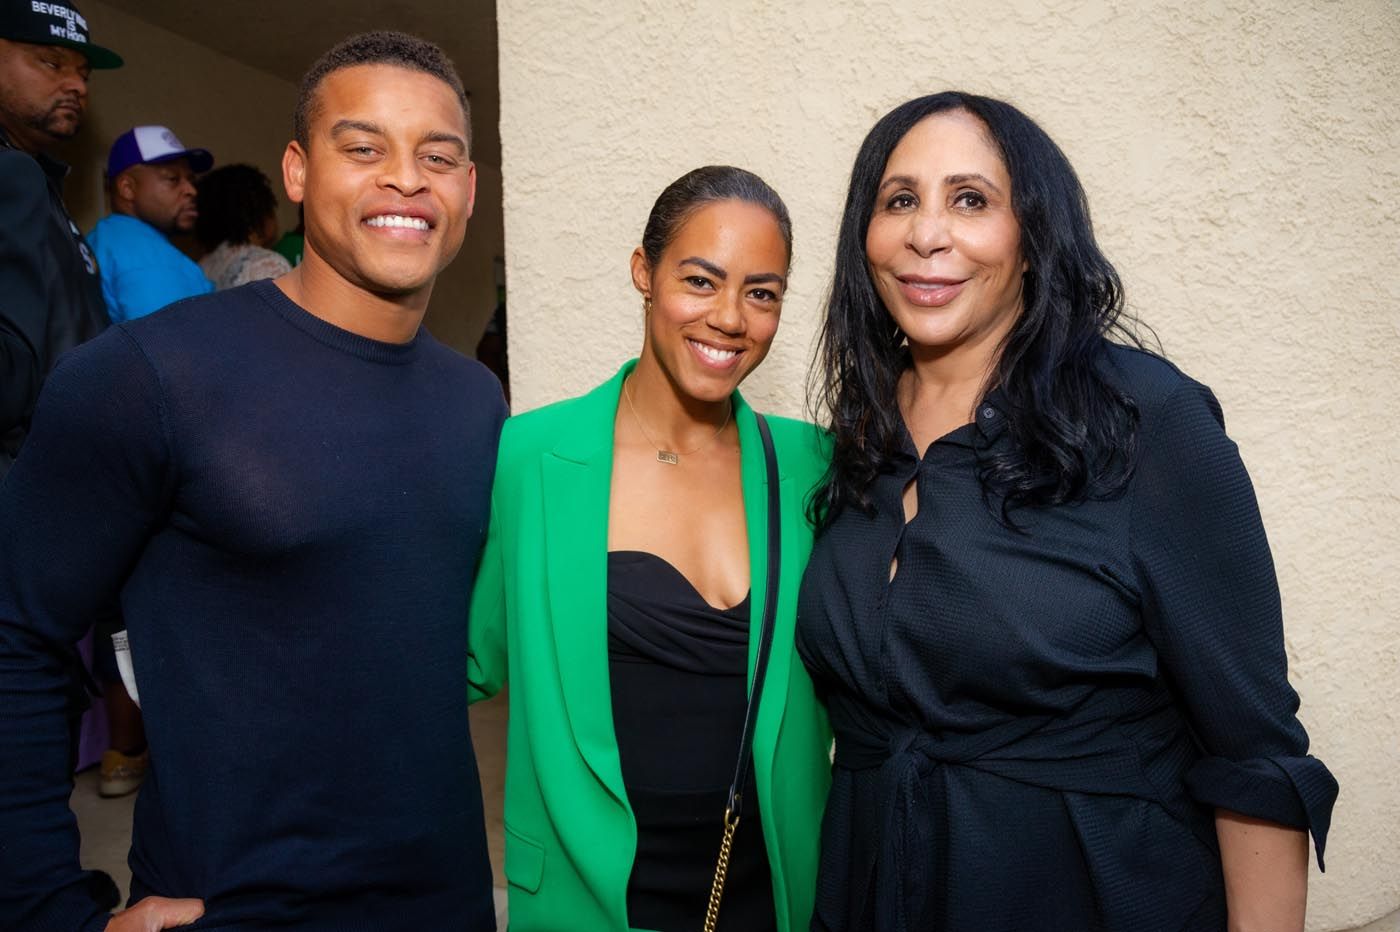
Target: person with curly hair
x,y
237,223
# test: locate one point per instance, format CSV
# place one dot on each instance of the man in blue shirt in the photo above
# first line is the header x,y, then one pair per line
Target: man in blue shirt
x,y
150,174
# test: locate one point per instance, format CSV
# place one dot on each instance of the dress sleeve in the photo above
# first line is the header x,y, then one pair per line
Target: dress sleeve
x,y
77,508
24,308
1212,610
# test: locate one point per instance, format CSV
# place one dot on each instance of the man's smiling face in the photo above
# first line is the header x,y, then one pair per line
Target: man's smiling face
x,y
386,180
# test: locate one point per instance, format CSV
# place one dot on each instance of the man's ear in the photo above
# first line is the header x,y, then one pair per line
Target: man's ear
x,y
471,189
124,187
294,171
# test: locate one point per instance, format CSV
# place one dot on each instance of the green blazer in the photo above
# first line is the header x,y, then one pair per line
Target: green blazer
x,y
539,621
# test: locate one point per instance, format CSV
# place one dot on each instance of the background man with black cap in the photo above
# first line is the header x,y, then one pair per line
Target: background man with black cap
x,y
48,276
150,178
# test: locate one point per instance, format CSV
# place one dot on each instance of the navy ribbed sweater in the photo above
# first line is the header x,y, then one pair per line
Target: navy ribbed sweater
x,y
291,515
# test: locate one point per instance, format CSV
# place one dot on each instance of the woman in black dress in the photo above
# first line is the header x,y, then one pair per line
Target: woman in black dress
x,y
1042,609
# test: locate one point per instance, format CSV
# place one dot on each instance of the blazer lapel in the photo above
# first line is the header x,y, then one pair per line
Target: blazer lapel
x,y
577,476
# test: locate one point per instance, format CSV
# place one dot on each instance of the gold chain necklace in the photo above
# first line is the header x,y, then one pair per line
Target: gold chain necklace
x,y
669,457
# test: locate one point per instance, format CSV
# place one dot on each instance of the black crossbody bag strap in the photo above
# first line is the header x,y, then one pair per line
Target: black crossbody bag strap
x,y
735,804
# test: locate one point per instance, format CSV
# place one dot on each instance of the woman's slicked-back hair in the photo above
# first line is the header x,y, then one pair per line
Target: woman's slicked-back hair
x,y
234,202
1073,433
700,187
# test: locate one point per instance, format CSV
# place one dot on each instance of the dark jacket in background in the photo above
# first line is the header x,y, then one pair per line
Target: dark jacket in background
x,y
50,297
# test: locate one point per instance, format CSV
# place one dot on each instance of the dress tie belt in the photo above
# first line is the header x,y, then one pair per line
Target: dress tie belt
x,y
909,868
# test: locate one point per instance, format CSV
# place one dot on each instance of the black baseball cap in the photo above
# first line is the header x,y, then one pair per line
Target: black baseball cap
x,y
42,23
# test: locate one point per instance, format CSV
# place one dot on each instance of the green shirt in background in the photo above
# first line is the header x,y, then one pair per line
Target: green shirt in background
x,y
290,247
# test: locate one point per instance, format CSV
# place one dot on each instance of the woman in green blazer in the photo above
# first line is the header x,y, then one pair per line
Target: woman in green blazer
x,y
655,483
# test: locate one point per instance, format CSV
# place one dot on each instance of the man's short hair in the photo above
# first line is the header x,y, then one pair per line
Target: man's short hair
x,y
381,47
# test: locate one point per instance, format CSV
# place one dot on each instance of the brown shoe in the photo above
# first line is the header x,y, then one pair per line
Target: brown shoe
x,y
121,774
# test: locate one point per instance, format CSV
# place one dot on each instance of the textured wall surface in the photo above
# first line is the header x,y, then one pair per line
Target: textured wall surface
x,y
1241,161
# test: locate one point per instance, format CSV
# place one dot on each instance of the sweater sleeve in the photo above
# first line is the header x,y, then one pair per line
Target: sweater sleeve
x,y
1212,610
24,306
77,508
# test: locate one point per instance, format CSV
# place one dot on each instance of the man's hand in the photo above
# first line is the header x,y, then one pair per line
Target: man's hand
x,y
155,913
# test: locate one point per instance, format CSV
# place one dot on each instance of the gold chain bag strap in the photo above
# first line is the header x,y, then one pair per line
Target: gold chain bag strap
x,y
734,807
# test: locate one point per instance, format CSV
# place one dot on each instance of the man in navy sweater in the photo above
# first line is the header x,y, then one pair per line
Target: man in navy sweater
x,y
287,485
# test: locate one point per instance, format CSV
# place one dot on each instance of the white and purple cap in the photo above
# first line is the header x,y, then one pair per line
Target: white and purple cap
x,y
146,145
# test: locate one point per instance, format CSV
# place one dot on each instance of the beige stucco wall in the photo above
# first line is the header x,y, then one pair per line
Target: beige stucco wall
x,y
1241,161
244,114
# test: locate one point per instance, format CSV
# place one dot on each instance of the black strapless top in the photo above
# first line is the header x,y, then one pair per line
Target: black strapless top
x,y
679,671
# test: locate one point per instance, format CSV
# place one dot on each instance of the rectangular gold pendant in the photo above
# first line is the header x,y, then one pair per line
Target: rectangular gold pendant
x,y
666,456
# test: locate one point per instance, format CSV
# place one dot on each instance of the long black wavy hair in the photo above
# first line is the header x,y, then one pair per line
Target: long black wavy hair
x,y
1074,434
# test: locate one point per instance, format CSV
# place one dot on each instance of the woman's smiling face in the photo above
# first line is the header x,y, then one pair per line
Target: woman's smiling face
x,y
715,297
943,244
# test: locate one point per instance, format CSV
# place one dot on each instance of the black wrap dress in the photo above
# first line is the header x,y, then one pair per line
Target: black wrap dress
x,y
1034,727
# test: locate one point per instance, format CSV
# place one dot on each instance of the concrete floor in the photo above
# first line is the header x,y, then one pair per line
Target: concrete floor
x,y
105,824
